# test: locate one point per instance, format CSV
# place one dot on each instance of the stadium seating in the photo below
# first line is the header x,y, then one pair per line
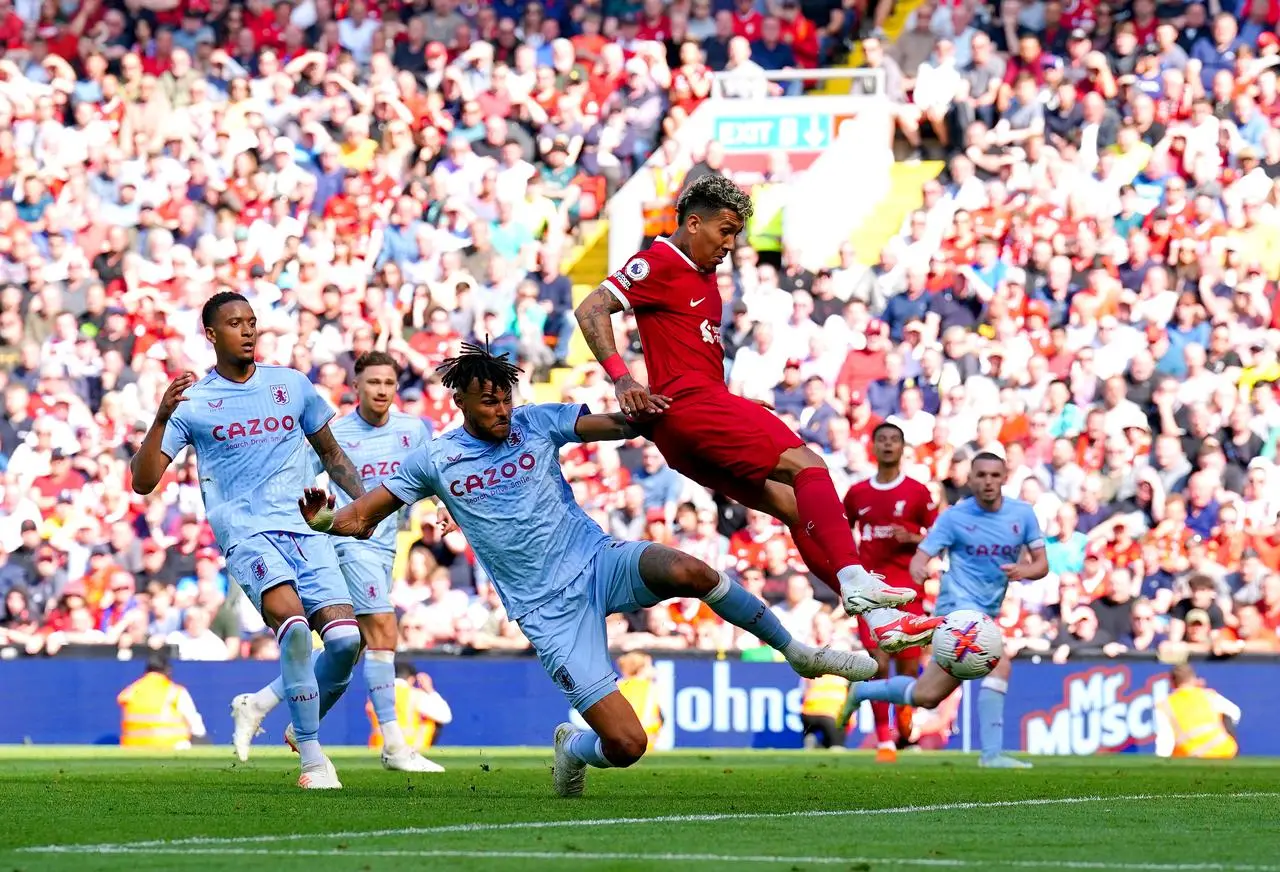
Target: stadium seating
x,y
1081,270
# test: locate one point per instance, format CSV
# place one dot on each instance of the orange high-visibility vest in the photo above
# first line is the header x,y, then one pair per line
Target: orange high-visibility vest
x,y
824,697
661,221
419,732
1197,726
149,715
639,692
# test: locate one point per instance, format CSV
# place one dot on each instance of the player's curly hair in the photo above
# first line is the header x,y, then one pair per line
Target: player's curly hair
x,y
474,362
709,195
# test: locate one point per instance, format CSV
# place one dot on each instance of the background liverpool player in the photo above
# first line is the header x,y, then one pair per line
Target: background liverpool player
x,y
890,513
722,441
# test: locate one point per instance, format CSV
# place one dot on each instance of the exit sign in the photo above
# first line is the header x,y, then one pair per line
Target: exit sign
x,y
767,133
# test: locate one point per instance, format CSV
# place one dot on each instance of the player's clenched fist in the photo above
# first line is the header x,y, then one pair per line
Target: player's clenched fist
x,y
174,394
635,400
316,506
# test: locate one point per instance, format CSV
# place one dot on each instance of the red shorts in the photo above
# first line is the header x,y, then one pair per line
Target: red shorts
x,y
723,441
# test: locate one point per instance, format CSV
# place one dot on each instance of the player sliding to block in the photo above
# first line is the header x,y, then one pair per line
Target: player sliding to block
x,y
891,514
984,537
376,437
250,426
722,441
559,575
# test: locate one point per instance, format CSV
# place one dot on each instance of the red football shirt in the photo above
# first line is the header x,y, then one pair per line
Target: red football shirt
x,y
678,312
874,509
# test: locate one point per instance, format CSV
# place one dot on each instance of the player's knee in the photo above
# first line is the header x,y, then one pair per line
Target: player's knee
x,y
626,747
795,460
294,638
694,576
341,641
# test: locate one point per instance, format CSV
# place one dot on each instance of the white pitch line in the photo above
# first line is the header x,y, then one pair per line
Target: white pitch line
x,y
640,821
936,862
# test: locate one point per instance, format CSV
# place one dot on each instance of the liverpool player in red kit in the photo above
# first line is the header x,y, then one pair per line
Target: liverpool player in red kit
x,y
720,440
891,514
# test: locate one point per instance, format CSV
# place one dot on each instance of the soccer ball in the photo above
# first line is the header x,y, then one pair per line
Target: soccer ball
x,y
967,645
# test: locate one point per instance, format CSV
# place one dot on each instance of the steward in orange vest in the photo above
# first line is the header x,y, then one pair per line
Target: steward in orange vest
x,y
156,712
660,212
1194,721
820,711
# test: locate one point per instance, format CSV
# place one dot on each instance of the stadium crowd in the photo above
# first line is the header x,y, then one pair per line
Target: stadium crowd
x,y
1088,288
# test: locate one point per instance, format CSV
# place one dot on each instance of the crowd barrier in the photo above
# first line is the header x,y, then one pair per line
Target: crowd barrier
x,y
1078,708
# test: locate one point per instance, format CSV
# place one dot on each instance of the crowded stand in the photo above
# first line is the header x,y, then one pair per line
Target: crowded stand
x,y
1087,289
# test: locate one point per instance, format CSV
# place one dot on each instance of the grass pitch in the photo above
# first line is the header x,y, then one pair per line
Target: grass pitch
x,y
105,809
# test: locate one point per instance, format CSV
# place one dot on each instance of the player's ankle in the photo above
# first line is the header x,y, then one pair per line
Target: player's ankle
x,y
796,650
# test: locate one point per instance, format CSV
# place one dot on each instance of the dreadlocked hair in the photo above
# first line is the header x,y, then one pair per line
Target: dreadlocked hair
x,y
475,362
710,194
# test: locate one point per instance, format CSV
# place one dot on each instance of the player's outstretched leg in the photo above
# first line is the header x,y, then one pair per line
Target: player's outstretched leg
x,y
281,606
669,573
802,496
379,632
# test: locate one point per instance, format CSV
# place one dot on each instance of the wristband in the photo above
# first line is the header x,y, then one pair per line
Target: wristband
x,y
615,367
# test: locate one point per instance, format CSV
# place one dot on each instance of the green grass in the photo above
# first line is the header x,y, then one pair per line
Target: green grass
x,y
1132,813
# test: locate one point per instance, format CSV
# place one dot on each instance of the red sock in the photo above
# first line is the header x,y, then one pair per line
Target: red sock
x,y
822,514
814,557
880,711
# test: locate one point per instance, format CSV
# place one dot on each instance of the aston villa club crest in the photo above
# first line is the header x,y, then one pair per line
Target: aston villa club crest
x,y
516,438
280,395
1016,529
259,569
404,440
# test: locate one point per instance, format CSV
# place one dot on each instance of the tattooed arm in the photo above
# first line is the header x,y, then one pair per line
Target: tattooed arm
x,y
595,317
342,471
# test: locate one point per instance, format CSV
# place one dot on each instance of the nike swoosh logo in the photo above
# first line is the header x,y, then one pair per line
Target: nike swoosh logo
x,y
862,512
693,304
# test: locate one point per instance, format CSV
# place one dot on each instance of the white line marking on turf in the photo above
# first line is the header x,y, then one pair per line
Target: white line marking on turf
x,y
939,862
638,821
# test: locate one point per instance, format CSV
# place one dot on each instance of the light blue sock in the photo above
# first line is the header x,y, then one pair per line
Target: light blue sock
x,y
585,747
336,662
735,604
991,716
380,678
896,690
298,680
